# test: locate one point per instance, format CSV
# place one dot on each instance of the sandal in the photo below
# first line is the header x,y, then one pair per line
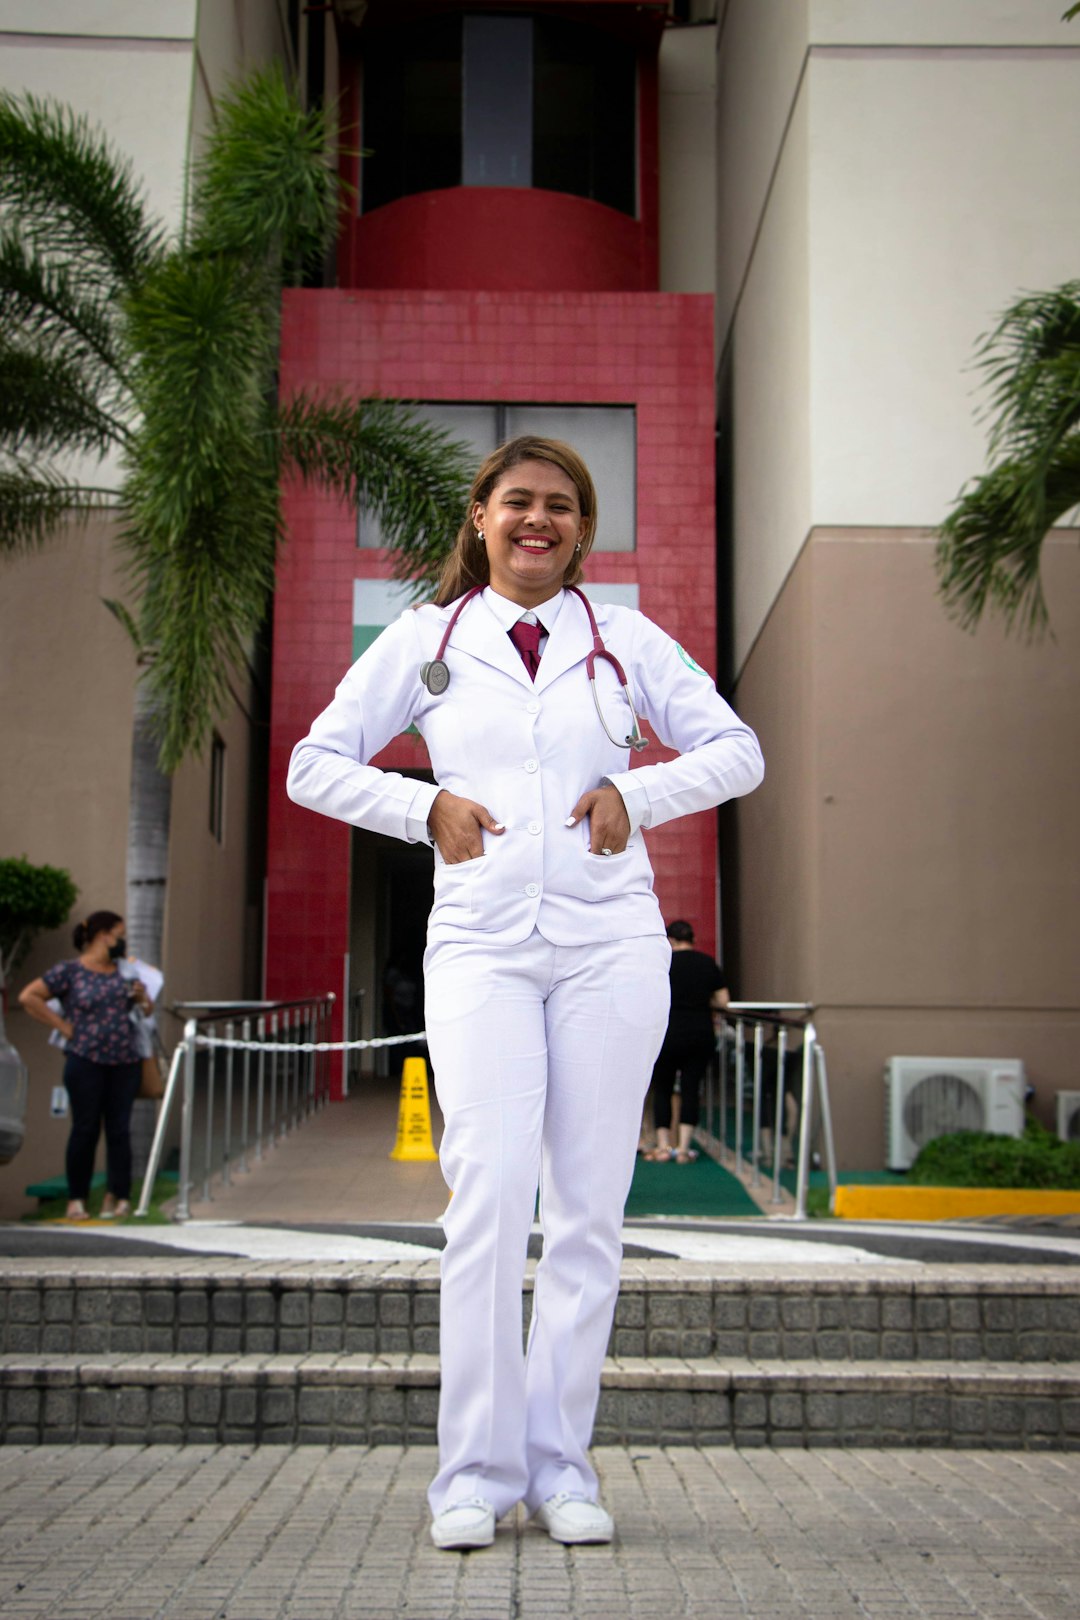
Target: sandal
x,y
659,1155
684,1156
119,1210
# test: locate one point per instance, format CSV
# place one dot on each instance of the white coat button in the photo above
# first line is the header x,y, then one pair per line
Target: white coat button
x,y
532,890
532,708
532,765
536,827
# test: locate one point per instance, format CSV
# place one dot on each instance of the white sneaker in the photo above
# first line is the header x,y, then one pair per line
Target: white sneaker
x,y
469,1523
571,1518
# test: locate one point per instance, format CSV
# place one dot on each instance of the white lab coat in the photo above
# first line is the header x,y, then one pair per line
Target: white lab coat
x,y
542,1051
527,752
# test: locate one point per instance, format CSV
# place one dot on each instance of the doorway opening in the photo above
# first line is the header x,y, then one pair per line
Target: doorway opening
x,y
391,893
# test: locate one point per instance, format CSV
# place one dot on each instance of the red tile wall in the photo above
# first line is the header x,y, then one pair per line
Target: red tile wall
x,y
652,350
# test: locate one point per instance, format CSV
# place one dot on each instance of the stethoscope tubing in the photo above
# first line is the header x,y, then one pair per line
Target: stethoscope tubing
x,y
436,676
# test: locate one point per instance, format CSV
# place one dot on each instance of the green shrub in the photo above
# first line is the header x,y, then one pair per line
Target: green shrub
x,y
978,1159
31,898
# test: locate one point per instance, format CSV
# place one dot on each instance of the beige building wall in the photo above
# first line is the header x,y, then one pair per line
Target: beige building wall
x,y
66,709
888,179
148,74
687,139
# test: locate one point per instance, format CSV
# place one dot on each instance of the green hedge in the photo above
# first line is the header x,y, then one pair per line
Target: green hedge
x,y
977,1159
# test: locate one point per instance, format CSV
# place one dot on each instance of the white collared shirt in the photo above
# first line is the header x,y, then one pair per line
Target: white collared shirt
x,y
510,613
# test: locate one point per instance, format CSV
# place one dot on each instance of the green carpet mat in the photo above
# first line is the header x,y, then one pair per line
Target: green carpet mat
x,y
701,1188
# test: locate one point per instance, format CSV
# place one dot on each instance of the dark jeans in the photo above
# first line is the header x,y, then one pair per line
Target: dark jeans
x,y
690,1058
101,1093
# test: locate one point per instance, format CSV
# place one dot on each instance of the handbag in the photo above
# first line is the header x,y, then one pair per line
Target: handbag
x,y
151,1080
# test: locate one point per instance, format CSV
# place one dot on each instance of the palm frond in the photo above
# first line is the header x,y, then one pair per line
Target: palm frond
x,y
200,370
72,198
265,187
51,305
36,501
203,594
46,405
380,454
990,545
989,550
202,496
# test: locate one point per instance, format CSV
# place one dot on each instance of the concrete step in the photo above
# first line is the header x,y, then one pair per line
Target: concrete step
x,y
392,1399
665,1309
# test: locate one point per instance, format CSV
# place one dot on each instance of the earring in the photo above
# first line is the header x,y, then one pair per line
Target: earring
x,y
578,546
480,536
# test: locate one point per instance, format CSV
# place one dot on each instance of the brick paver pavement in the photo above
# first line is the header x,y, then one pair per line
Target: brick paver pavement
x,y
325,1533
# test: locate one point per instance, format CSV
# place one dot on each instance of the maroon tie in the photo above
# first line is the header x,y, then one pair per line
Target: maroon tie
x,y
526,638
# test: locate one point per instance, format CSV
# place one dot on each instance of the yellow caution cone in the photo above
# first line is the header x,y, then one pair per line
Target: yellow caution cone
x,y
414,1114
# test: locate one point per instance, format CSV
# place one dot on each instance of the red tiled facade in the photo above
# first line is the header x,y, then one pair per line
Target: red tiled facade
x,y
647,349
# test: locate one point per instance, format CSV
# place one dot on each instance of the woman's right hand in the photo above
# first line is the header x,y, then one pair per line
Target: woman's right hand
x,y
456,826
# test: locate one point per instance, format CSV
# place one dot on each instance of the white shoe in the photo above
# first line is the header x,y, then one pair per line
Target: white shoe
x,y
572,1518
469,1523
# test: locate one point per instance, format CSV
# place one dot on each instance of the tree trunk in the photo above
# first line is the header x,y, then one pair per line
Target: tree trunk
x,y
149,815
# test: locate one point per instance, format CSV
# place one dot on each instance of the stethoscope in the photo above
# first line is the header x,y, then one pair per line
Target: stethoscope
x,y
436,677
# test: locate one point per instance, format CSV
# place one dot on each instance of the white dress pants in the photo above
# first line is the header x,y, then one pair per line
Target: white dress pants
x,y
541,1056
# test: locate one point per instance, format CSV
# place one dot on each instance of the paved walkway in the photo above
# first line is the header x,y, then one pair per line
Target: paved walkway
x,y
321,1533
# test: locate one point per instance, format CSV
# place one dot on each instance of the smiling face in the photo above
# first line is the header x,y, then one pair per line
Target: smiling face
x,y
531,523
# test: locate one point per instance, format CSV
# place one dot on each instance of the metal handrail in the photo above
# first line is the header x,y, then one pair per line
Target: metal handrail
x,y
783,1016
293,1031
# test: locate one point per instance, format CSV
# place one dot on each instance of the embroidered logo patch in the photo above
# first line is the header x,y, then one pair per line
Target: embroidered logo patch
x,y
690,663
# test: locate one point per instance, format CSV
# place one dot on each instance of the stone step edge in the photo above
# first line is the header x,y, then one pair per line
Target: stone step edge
x,y
660,1276
422,1371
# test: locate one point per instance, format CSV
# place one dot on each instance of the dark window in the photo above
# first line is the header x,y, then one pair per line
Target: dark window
x,y
217,788
484,100
496,102
605,436
412,112
584,116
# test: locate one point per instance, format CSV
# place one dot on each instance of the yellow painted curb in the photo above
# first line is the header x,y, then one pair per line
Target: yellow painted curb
x,y
950,1203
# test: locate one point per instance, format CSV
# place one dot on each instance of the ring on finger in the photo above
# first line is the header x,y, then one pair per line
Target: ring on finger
x,y
607,852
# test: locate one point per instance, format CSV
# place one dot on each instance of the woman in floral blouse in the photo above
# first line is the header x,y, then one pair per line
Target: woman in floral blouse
x,y
102,1068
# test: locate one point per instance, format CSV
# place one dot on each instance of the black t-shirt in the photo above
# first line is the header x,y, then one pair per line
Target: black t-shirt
x,y
694,978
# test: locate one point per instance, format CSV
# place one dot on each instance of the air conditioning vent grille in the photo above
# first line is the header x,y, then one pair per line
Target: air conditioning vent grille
x,y
927,1097
940,1105
1068,1116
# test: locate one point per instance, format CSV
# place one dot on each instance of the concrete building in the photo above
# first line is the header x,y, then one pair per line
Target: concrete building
x,y
148,75
890,177
742,252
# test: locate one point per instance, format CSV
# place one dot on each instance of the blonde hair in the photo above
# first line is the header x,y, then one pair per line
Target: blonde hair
x,y
467,564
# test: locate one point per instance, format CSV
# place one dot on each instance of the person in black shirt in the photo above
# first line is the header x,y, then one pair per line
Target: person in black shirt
x,y
697,988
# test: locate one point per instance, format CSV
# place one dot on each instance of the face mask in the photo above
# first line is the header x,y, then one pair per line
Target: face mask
x,y
117,950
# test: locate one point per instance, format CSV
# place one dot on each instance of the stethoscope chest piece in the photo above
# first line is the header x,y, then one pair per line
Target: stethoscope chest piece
x,y
435,676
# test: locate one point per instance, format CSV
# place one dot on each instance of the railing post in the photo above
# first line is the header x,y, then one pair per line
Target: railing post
x,y
271,1134
183,1203
755,1147
211,1069
245,1112
260,1031
778,1138
740,1081
157,1146
806,1117
226,1145
826,1120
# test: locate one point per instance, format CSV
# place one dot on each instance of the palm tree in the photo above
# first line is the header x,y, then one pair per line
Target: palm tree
x,y
990,545
117,343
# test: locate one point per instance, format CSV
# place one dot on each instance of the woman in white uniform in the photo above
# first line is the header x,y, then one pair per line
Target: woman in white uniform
x,y
546,970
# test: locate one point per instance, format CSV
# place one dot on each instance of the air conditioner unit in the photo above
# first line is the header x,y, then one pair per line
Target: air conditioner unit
x,y
1068,1115
927,1097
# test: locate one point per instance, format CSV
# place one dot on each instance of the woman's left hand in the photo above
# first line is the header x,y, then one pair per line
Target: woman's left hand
x,y
609,824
